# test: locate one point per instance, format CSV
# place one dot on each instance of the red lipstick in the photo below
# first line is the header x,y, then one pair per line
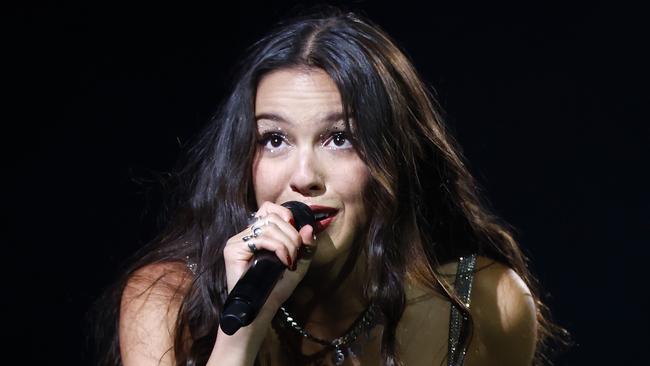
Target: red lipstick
x,y
324,216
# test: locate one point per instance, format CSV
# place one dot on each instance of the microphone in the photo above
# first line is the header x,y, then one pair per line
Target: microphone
x,y
253,288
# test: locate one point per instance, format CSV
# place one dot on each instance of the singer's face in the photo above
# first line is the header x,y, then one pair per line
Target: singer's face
x,y
304,154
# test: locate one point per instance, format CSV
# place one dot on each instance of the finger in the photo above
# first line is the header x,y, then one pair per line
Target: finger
x,y
271,244
285,227
307,235
308,248
268,208
242,246
282,232
275,225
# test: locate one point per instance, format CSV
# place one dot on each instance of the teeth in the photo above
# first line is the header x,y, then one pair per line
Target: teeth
x,y
320,215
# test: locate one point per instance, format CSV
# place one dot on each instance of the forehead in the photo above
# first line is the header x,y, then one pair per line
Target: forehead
x,y
297,95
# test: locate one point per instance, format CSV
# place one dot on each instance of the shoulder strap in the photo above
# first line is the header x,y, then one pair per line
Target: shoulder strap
x,y
463,287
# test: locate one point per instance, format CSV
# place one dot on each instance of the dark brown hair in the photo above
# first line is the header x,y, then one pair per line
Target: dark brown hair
x,y
426,202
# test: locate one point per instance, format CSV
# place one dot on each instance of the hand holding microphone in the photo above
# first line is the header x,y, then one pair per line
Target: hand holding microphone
x,y
274,245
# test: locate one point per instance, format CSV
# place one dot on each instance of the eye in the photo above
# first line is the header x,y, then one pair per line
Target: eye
x,y
339,140
272,140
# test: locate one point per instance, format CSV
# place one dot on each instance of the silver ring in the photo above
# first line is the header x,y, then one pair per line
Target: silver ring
x,y
257,226
247,237
260,223
252,247
257,232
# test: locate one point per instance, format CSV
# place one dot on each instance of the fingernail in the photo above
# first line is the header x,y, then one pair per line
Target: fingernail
x,y
292,222
290,263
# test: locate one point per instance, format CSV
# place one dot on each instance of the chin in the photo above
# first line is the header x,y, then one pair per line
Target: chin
x,y
328,253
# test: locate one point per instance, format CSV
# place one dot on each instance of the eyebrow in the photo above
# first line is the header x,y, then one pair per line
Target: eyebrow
x,y
329,117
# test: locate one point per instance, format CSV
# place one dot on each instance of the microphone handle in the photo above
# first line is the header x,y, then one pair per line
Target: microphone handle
x,y
251,291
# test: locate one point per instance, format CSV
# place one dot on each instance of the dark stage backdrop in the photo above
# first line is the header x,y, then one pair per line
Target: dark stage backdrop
x,y
548,100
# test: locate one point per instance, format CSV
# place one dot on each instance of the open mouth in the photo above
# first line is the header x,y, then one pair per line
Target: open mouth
x,y
323,216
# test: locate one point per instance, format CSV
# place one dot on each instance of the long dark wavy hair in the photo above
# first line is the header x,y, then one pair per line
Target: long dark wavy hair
x,y
427,208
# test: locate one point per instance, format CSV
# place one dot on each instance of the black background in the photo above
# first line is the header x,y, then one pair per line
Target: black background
x,y
547,99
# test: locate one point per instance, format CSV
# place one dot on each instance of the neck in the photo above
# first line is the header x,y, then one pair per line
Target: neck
x,y
331,297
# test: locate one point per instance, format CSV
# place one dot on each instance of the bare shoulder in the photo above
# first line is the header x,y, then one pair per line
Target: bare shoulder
x,y
163,281
505,317
148,310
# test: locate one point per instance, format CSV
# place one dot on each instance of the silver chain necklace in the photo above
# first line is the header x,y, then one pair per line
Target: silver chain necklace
x,y
365,321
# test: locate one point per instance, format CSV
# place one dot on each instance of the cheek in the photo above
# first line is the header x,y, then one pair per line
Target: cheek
x,y
267,181
352,181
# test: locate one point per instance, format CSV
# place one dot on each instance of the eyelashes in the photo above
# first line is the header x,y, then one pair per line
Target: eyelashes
x,y
276,140
273,141
340,140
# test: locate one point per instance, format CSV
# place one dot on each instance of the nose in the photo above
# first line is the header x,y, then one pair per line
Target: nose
x,y
307,178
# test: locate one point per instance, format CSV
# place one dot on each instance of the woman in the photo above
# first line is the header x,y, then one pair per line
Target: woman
x,y
408,265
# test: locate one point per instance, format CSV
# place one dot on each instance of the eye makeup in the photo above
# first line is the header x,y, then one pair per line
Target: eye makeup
x,y
274,138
